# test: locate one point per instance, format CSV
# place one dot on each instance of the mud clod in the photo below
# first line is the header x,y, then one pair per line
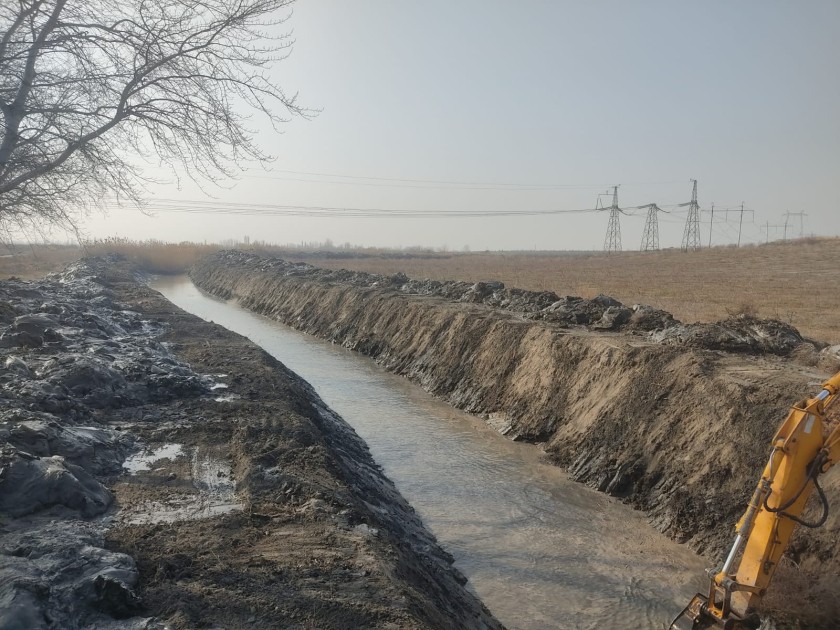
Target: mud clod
x,y
736,334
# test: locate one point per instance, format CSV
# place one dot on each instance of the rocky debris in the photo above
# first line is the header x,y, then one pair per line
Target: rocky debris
x,y
601,313
90,353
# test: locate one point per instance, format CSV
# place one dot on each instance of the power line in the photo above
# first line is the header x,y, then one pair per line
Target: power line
x,y
439,182
203,206
794,214
766,227
255,209
612,241
431,185
741,210
691,238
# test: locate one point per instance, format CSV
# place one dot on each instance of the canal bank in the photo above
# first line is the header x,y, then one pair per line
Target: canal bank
x,y
674,421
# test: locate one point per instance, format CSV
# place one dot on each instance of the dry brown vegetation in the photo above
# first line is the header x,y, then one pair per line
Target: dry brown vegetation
x,y
796,282
35,261
153,256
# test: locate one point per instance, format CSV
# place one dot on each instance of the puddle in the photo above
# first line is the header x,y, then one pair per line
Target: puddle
x,y
213,478
143,460
208,491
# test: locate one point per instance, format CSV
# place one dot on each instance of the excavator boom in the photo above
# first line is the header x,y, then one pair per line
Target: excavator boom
x,y
802,449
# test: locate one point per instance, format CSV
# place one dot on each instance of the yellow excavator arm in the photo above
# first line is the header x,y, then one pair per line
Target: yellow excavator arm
x,y
803,448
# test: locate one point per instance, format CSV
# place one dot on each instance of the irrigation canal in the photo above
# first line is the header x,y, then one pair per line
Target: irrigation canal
x,y
540,550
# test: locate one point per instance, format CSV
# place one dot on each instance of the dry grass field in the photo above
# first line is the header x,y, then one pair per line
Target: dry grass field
x,y
797,281
34,261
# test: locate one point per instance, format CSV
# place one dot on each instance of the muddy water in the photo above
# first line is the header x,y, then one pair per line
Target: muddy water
x,y
210,491
541,551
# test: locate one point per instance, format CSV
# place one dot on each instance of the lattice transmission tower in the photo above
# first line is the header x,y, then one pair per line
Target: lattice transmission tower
x,y
650,237
612,241
691,236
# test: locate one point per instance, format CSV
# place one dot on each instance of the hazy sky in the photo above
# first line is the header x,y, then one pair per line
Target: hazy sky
x,y
541,106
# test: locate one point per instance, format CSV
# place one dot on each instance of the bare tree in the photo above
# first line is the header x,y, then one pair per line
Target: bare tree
x,y
87,86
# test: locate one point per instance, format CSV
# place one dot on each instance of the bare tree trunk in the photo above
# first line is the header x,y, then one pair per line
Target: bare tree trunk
x,y
84,84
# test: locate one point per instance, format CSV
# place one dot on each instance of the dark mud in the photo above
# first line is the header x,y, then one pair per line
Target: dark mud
x,y
249,504
674,419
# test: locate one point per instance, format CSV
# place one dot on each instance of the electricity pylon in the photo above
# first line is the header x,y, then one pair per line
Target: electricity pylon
x,y
740,210
612,241
691,236
650,237
766,227
788,215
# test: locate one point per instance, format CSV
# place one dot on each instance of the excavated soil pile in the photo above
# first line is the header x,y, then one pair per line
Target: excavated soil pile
x,y
735,334
675,419
159,471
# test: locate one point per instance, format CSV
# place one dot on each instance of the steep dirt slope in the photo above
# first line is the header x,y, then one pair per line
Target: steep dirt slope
x,y
675,429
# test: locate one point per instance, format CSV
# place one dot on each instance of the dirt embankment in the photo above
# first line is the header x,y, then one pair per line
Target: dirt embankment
x,y
674,419
159,471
